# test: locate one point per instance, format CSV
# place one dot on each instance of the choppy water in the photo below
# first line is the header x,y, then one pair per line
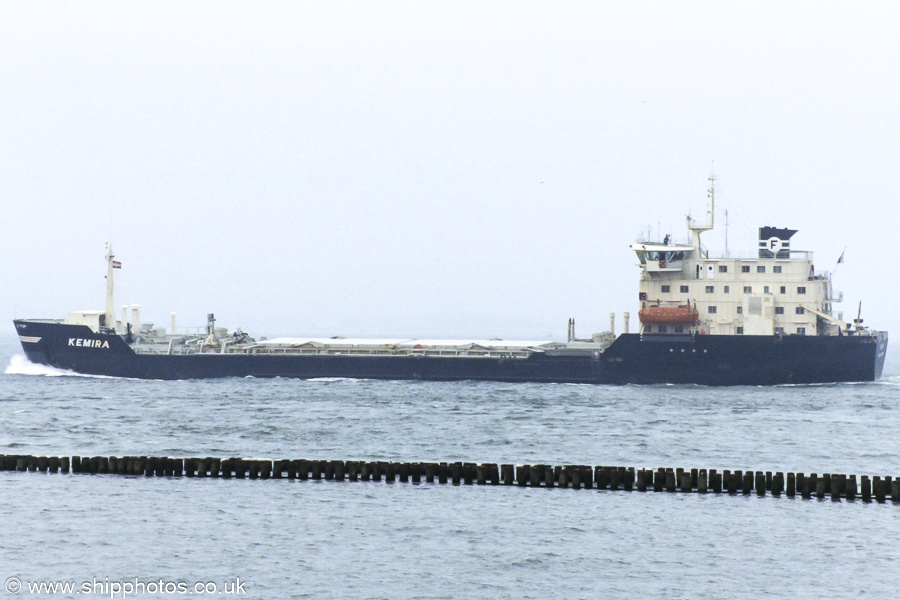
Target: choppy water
x,y
375,540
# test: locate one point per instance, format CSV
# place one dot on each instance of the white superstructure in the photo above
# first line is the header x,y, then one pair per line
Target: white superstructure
x,y
778,291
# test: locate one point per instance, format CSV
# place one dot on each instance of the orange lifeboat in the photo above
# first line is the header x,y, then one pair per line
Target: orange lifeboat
x,y
669,315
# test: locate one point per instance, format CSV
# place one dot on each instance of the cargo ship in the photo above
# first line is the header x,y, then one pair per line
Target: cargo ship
x,y
763,319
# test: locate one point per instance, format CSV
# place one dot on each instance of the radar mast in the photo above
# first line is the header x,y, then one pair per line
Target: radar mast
x,y
696,229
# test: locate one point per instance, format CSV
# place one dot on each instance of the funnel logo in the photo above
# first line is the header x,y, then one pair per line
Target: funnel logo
x,y
774,245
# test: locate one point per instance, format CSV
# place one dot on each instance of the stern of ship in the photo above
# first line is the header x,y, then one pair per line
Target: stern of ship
x,y
880,351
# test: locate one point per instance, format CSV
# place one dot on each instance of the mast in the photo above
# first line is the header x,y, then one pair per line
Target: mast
x,y
110,316
726,234
696,230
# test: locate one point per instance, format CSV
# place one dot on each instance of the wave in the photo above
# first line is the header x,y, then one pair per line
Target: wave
x,y
890,380
20,365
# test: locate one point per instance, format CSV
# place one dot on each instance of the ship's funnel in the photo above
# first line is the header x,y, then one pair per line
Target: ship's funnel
x,y
775,242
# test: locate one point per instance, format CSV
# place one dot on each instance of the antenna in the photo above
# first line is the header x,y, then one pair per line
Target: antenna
x,y
726,233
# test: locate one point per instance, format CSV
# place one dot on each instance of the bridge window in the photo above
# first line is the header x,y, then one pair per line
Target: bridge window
x,y
745,268
723,268
684,289
711,310
748,289
655,256
799,310
761,269
779,310
664,289
710,289
776,269
801,290
801,331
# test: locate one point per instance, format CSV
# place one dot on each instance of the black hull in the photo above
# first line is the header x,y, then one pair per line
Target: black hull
x,y
632,358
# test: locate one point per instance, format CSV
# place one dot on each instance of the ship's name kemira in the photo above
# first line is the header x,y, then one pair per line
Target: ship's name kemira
x,y
83,343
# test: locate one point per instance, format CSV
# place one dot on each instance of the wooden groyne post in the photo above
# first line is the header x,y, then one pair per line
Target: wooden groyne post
x,y
836,486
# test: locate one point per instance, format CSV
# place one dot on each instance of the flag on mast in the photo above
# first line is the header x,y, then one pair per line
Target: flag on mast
x,y
841,259
117,264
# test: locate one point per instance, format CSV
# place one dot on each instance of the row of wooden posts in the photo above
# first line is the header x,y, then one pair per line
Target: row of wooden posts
x,y
702,481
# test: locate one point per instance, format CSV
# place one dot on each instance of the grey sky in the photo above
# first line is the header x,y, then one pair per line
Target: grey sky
x,y
432,169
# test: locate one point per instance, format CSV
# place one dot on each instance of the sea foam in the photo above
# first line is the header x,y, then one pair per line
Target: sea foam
x,y
20,365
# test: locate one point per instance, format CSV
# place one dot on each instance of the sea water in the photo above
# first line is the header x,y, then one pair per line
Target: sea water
x,y
139,537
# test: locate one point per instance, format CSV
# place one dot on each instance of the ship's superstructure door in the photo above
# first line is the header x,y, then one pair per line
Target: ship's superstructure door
x,y
759,314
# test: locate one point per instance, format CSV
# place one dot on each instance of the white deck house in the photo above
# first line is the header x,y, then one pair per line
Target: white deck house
x,y
776,292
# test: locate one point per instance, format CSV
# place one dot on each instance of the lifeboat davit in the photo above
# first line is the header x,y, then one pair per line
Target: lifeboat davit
x,y
669,315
